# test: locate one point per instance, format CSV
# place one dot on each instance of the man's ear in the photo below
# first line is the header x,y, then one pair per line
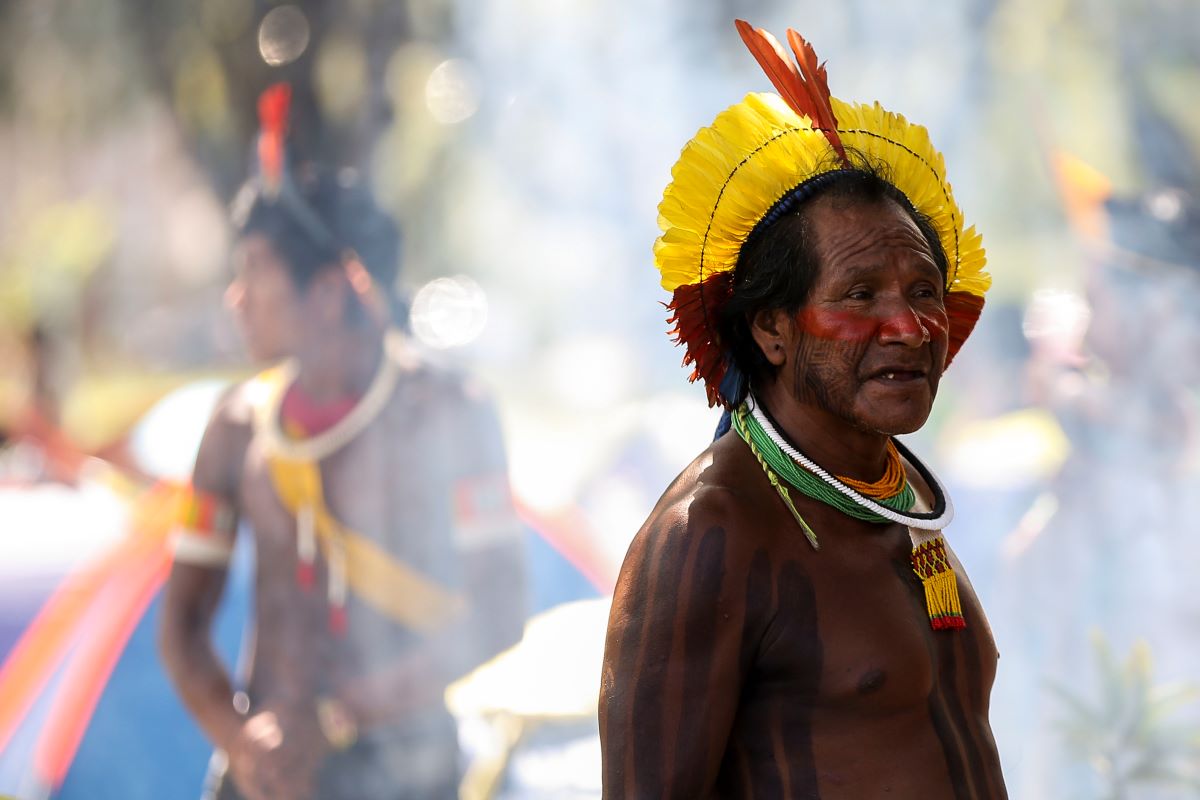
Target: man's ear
x,y
773,330
327,295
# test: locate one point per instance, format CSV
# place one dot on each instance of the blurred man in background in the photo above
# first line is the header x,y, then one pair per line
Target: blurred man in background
x,y
375,488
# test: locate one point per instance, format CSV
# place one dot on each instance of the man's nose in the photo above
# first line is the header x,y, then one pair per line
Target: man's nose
x,y
903,325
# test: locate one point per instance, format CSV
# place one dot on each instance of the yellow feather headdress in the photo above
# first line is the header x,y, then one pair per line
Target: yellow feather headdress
x,y
759,151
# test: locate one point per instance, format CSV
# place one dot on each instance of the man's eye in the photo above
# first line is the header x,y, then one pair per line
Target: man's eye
x,y
859,294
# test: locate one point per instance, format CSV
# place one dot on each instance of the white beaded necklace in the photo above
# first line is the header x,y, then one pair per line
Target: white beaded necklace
x,y
314,448
920,521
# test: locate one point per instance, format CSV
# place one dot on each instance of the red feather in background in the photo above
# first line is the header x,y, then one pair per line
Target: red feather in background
x,y
273,107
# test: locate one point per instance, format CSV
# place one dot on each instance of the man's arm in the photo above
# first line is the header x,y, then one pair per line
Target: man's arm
x,y
272,753
190,601
203,544
680,639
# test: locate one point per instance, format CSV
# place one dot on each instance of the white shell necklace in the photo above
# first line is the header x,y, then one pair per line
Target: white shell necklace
x,y
314,448
922,521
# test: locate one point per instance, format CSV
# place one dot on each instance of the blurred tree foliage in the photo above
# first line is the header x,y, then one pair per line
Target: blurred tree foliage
x,y
1129,734
127,125
72,67
206,58
1113,82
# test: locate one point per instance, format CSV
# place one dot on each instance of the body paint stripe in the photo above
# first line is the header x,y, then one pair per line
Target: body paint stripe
x,y
647,707
797,605
702,618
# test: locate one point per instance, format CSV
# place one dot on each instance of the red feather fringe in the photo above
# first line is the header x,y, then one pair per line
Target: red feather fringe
x,y
694,308
963,310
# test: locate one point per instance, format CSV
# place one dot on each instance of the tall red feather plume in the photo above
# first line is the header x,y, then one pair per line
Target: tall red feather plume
x,y
816,81
777,64
273,106
805,87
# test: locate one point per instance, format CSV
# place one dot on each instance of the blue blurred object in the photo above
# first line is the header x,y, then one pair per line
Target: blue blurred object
x,y
141,743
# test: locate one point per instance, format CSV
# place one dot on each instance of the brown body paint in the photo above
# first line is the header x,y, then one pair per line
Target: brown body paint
x,y
742,663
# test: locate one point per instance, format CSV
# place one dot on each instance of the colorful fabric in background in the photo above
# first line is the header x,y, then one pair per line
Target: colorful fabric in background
x,y
139,719
86,710
82,690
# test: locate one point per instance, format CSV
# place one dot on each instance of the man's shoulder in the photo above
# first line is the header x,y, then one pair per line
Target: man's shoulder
x,y
226,438
715,491
235,408
428,381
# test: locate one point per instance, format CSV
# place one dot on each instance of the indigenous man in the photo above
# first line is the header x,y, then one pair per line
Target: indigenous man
x,y
375,488
788,623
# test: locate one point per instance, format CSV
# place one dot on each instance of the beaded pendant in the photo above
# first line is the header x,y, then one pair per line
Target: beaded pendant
x,y
932,566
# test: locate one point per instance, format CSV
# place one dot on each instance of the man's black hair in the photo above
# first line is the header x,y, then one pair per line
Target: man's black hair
x,y
778,264
316,218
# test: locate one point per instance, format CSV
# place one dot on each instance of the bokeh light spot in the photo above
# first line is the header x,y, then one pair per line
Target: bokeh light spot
x,y
452,91
1056,315
283,35
449,312
1165,205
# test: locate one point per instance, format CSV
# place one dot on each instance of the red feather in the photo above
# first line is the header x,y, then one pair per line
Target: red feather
x,y
816,81
777,64
273,107
805,87
694,308
963,310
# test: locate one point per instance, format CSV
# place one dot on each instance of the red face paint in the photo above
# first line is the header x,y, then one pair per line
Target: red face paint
x,y
857,327
904,323
840,326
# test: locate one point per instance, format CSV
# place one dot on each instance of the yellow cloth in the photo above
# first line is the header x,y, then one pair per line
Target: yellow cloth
x,y
386,584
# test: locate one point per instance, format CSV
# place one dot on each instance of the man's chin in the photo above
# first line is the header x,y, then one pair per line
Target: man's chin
x,y
262,355
900,429
900,411
894,424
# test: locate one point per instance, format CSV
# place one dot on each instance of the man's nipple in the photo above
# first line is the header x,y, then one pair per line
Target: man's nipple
x,y
872,681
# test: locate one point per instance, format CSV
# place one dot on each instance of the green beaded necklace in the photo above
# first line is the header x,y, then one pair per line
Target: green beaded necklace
x,y
778,465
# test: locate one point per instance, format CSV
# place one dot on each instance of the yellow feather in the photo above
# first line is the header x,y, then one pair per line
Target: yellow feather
x,y
756,151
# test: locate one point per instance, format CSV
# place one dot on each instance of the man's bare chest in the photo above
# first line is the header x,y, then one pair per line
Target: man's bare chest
x,y
384,487
850,631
